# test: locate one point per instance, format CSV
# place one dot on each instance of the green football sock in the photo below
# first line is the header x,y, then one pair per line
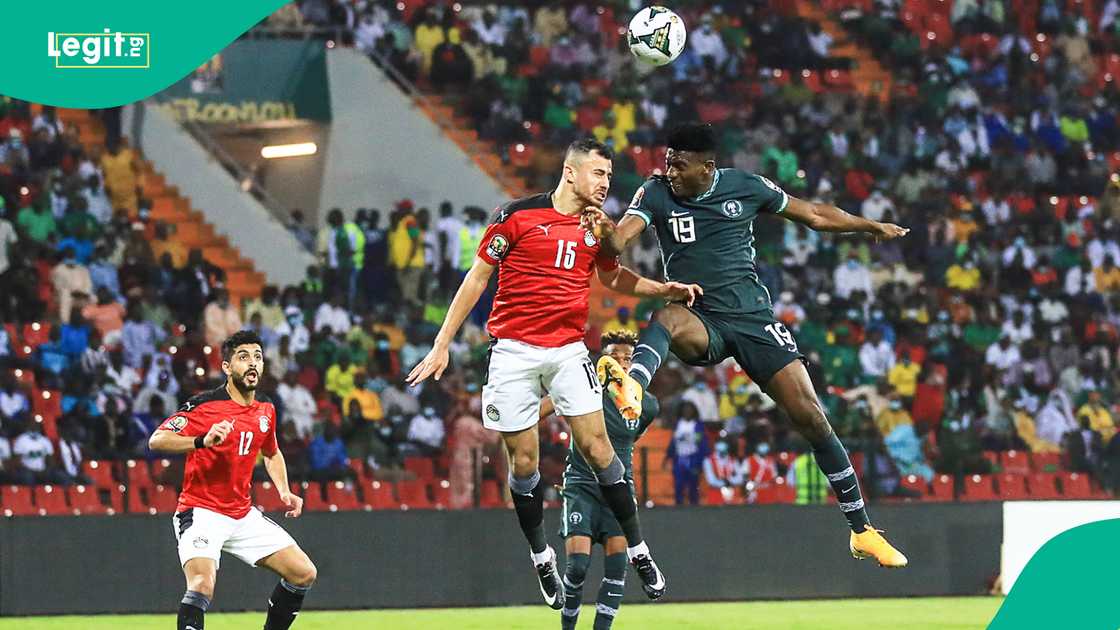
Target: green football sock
x,y
652,348
834,463
610,591
574,574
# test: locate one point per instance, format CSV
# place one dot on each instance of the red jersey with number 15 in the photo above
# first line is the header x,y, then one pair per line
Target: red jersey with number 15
x,y
545,261
218,478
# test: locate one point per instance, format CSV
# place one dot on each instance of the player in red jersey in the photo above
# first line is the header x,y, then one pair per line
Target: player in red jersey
x,y
545,260
222,431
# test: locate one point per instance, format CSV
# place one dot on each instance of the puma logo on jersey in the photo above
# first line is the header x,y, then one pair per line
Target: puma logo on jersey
x,y
545,228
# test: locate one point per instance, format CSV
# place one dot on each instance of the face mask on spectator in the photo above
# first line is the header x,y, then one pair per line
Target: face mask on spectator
x,y
853,263
429,412
762,449
382,344
376,385
722,448
896,405
943,316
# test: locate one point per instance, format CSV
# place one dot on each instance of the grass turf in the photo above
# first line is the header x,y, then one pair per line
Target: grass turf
x,y
851,614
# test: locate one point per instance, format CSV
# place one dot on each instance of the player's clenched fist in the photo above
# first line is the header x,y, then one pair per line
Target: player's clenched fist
x,y
597,222
680,292
217,433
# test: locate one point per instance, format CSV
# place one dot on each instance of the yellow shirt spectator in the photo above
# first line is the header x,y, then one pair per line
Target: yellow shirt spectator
x,y
622,321
904,377
406,244
1108,279
340,380
963,278
368,400
392,333
1025,427
429,35
1100,420
890,418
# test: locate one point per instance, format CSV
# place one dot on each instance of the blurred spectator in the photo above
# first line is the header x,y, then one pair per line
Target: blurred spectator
x,y
621,321
139,336
298,227
221,319
426,433
69,277
723,473
704,400
341,376
687,451
299,404
876,356
811,484
904,377
36,460
326,456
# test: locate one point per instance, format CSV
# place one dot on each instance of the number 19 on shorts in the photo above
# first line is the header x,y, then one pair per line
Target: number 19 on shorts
x,y
781,335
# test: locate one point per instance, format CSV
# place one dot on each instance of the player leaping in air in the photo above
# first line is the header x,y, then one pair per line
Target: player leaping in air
x,y
545,259
222,432
704,219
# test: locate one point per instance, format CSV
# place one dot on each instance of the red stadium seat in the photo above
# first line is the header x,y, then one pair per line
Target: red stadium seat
x,y
941,489
441,490
116,498
165,472
84,500
1012,487
359,468
137,502
857,463
1076,486
341,495
916,483
491,495
313,500
137,474
163,499
979,488
413,494
51,500
1017,462
422,467
100,473
266,498
379,495
1044,486
1046,462
16,501
993,459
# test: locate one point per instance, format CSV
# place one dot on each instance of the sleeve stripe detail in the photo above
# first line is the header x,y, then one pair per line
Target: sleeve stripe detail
x,y
785,202
640,214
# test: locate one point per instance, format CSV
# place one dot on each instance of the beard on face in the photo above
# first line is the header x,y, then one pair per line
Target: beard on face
x,y
239,381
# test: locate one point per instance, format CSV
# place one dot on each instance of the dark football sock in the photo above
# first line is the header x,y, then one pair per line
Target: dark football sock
x,y
528,501
652,348
610,591
284,604
620,498
574,574
834,463
192,611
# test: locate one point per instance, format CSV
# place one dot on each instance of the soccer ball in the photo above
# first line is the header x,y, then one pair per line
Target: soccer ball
x,y
656,35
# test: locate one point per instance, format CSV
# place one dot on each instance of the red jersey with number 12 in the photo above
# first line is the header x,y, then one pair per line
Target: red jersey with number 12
x,y
545,261
218,478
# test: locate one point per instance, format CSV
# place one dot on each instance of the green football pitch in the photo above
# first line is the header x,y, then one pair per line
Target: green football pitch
x,y
853,614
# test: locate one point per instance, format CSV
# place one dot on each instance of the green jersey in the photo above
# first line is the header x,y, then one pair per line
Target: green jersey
x,y
709,240
622,434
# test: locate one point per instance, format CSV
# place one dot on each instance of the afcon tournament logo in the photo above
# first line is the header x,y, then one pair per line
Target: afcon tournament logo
x,y
177,424
264,424
498,246
589,239
575,518
733,209
492,413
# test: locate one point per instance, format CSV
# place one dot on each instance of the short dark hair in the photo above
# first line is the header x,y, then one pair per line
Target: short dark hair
x,y
239,338
627,337
590,145
695,137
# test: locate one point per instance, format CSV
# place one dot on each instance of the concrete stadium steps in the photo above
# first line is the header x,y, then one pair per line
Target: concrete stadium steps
x,y
869,76
191,228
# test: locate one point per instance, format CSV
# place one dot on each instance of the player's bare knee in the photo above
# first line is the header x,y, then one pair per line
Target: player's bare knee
x,y
305,575
524,463
202,583
599,453
811,421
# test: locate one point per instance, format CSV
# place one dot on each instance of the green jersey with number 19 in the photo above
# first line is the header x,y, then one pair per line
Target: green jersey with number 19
x,y
709,240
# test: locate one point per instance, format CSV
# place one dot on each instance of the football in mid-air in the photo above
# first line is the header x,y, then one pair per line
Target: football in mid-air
x,y
656,35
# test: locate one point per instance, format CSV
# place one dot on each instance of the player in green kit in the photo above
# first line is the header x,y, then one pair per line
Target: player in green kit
x,y
704,218
587,519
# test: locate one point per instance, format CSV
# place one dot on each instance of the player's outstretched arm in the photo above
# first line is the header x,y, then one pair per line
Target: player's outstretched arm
x,y
164,441
613,238
627,281
465,298
822,217
277,469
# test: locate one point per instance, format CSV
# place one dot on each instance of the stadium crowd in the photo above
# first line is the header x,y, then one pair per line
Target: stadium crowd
x,y
994,326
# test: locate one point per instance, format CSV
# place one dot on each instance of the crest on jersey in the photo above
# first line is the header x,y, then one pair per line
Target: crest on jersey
x,y
492,413
498,246
733,209
201,542
632,425
636,202
589,239
575,518
264,424
177,424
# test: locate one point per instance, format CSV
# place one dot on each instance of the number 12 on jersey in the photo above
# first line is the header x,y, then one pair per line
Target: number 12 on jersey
x,y
243,444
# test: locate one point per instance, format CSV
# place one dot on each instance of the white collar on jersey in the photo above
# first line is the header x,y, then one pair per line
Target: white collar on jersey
x,y
715,182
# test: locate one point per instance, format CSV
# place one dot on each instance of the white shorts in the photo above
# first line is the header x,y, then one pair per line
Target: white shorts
x,y
203,533
519,375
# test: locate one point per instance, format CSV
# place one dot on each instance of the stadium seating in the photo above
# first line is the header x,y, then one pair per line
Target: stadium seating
x,y
137,501
441,492
942,488
1017,462
138,475
163,499
84,500
379,495
266,498
16,501
1046,462
413,495
491,495
422,467
1075,486
979,488
993,458
51,501
342,495
100,473
313,500
916,483
1043,485
1012,487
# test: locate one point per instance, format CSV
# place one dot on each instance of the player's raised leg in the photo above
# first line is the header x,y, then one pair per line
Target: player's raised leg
x,y
297,575
523,448
673,328
793,391
613,584
577,552
201,574
590,434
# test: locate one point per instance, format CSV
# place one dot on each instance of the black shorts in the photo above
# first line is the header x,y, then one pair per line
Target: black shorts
x,y
758,342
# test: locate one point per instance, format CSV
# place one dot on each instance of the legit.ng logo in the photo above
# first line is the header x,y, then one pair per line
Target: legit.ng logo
x,y
105,50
